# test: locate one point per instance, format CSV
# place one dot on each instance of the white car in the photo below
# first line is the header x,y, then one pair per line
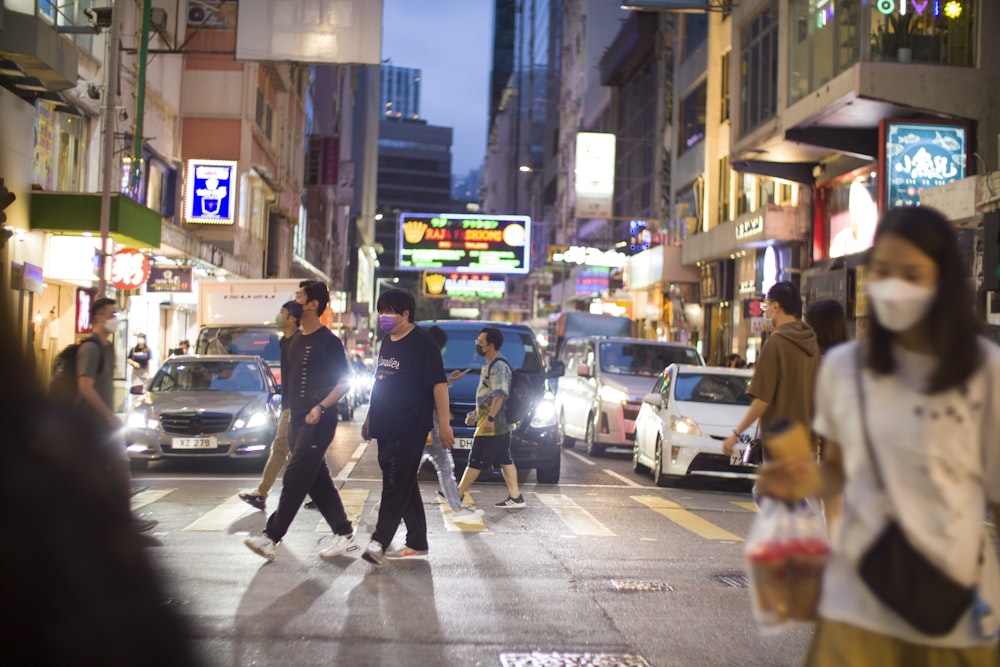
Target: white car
x,y
683,421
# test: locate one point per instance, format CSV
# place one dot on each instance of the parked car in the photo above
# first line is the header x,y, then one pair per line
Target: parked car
x,y
534,442
685,418
599,396
204,407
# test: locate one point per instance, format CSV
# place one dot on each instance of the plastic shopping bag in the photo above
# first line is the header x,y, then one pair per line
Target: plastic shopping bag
x,y
786,553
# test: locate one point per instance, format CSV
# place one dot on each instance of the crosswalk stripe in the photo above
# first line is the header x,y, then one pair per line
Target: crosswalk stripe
x,y
148,496
354,504
221,516
579,520
745,505
686,519
478,526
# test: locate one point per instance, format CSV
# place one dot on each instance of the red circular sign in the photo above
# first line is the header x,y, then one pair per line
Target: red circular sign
x,y
129,269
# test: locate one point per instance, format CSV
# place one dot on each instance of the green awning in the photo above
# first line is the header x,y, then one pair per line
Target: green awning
x,y
132,224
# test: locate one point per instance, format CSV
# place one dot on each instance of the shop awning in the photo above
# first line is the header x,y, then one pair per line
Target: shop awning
x,y
132,224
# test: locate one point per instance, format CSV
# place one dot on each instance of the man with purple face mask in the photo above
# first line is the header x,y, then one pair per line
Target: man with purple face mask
x,y
409,386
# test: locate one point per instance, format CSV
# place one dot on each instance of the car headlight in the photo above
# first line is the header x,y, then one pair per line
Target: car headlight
x,y
141,420
255,420
684,426
545,414
613,394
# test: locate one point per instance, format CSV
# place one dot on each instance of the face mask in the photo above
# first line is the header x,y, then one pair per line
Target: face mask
x,y
899,305
111,325
480,350
387,323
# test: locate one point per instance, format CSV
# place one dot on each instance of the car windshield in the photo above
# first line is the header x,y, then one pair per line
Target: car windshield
x,y
518,348
712,388
643,358
258,341
242,376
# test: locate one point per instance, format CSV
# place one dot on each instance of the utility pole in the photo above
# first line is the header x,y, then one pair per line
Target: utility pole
x,y
108,148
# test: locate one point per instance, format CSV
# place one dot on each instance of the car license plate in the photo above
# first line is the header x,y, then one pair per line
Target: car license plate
x,y
463,443
736,458
195,443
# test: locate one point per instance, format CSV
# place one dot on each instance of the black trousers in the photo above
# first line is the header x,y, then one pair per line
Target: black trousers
x,y
306,473
400,461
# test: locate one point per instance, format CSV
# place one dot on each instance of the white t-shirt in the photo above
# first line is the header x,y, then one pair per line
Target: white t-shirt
x,y
931,450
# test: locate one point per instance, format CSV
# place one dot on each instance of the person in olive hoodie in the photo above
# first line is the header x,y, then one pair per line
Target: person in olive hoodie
x,y
783,379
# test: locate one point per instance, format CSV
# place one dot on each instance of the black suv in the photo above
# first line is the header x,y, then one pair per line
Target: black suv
x,y
534,443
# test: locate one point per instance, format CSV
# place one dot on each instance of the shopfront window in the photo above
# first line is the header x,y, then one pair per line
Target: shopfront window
x,y
939,33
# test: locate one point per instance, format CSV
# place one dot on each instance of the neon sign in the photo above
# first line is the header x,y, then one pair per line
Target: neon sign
x,y
464,243
951,9
920,155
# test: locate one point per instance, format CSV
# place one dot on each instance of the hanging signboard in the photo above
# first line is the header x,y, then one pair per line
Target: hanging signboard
x,y
169,279
129,269
211,192
919,154
464,243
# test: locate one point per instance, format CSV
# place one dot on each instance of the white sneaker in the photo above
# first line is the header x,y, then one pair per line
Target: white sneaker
x,y
374,553
262,545
466,515
340,545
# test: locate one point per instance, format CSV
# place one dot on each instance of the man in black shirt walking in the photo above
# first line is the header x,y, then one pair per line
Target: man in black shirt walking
x,y
318,377
409,385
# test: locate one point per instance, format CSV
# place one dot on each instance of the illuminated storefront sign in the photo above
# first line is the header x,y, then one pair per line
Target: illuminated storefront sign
x,y
949,8
211,192
169,279
464,285
592,282
591,257
464,243
752,226
917,155
129,269
594,175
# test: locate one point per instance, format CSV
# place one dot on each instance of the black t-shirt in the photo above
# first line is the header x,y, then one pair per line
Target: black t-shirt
x,y
315,364
402,401
284,367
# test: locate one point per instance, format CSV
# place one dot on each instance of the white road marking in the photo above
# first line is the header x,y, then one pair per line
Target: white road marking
x,y
579,457
148,496
345,472
579,520
360,451
221,516
623,478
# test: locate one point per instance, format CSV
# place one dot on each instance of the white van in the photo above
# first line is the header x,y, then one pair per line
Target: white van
x,y
600,395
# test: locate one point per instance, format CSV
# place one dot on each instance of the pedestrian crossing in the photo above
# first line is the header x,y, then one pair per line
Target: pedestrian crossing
x,y
578,515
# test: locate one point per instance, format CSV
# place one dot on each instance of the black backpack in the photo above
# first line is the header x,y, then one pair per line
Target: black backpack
x,y
526,387
64,385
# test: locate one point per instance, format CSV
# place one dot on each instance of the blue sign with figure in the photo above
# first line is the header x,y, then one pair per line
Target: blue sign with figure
x,y
211,192
920,155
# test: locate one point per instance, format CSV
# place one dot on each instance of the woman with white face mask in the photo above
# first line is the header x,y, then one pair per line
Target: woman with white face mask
x,y
910,415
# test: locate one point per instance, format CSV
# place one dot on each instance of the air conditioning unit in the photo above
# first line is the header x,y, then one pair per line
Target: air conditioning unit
x,y
203,14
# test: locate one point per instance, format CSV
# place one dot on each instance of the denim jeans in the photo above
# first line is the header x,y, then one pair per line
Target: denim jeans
x,y
306,473
445,466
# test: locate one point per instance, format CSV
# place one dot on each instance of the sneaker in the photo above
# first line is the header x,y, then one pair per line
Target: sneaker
x,y
253,499
512,502
374,553
405,553
310,505
466,515
341,544
262,545
144,525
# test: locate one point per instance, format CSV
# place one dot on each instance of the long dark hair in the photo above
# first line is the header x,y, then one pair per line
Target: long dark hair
x,y
828,320
952,323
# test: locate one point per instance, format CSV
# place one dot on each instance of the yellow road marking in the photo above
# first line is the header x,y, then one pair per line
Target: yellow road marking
x,y
745,505
148,496
354,504
221,516
686,519
579,520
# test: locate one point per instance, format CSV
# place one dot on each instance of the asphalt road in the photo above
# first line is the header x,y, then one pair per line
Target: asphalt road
x,y
601,569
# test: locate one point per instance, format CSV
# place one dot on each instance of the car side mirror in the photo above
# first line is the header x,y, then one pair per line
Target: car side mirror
x,y
653,399
137,390
557,369
583,370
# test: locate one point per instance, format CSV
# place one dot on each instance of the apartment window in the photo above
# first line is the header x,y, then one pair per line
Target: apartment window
x,y
692,121
724,87
267,122
258,110
725,190
695,33
759,69
745,197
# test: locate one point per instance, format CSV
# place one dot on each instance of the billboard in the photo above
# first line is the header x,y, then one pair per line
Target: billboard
x,y
464,243
464,285
310,31
919,154
594,175
210,195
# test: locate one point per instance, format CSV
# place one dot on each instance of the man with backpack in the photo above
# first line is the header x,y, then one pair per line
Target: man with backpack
x,y
491,442
95,369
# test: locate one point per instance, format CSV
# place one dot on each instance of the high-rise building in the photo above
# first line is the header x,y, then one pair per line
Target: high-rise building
x,y
400,92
